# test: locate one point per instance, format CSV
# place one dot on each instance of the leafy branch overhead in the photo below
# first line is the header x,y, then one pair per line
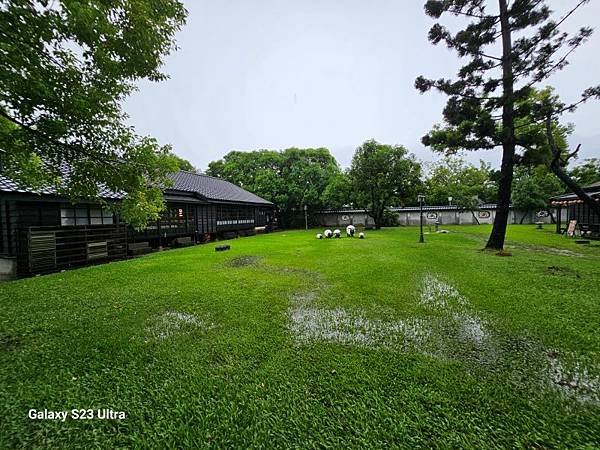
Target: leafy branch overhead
x,y
66,68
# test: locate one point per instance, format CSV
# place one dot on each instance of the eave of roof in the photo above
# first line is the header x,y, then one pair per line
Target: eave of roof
x,y
8,185
214,190
571,200
189,186
593,190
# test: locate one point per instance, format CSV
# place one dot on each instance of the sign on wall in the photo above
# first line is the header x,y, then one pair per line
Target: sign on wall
x,y
542,213
432,215
484,214
345,218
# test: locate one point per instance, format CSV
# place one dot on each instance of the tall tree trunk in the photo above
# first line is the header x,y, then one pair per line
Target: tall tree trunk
x,y
378,217
498,234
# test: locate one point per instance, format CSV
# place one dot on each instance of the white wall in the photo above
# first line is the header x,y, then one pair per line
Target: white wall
x,y
445,217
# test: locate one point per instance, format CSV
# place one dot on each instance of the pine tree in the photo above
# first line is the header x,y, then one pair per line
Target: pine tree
x,y
483,110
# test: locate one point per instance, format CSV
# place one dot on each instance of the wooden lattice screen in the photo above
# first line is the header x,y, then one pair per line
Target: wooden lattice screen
x,y
47,249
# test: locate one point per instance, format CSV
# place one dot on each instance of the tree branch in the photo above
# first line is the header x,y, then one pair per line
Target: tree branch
x,y
110,162
476,16
572,154
559,171
546,73
553,28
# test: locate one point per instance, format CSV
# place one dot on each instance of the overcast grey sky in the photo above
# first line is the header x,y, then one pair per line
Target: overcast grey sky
x,y
274,74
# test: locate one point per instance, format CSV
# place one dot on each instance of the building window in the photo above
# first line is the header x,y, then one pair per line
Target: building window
x,y
67,216
107,217
95,216
85,215
81,216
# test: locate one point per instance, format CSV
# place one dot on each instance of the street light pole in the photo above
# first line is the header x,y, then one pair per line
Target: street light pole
x,y
421,199
306,217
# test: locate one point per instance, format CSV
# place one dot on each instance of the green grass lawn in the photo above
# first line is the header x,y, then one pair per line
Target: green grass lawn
x,y
287,341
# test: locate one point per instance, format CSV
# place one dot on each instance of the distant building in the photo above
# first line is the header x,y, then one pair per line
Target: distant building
x,y
570,207
42,232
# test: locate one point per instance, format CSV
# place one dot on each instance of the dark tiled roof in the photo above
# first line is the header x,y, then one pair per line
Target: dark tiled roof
x,y
213,188
8,185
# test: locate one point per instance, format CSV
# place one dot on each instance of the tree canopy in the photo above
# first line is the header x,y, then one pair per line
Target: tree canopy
x,y
587,173
67,65
182,163
468,185
339,192
483,110
291,178
533,187
383,175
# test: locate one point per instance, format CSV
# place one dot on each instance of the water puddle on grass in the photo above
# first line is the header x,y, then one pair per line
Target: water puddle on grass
x,y
466,337
172,323
346,327
471,329
304,298
451,331
430,335
439,294
456,331
572,376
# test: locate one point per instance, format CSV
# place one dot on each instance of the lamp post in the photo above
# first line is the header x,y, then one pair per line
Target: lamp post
x,y
306,217
421,199
305,206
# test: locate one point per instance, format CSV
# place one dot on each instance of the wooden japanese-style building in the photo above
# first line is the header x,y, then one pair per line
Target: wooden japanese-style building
x,y
569,208
42,232
201,207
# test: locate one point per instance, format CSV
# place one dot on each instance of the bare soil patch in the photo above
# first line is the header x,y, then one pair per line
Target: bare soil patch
x,y
243,261
9,342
